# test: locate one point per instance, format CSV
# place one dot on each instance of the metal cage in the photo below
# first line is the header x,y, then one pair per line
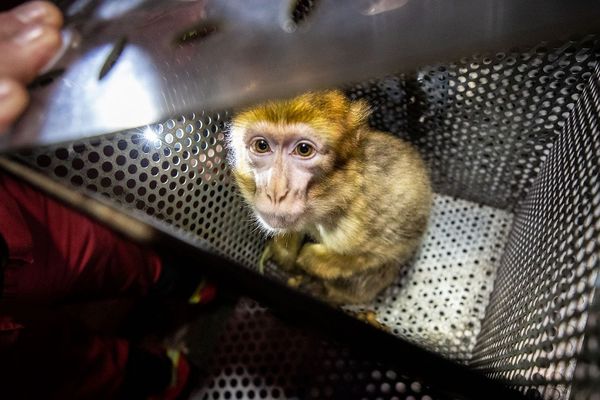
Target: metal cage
x,y
504,283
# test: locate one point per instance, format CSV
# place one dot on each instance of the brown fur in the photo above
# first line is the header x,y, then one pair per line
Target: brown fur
x,y
368,209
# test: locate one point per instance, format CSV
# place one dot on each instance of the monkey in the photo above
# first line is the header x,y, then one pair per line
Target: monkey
x,y
344,205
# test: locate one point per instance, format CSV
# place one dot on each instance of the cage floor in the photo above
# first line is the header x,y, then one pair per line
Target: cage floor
x,y
440,299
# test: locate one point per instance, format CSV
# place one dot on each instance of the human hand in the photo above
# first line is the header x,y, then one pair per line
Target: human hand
x,y
29,37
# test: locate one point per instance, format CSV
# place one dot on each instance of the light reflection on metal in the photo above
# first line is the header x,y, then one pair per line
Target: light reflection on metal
x,y
375,7
150,135
112,9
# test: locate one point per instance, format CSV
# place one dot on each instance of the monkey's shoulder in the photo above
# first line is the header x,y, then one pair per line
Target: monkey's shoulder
x,y
389,154
396,181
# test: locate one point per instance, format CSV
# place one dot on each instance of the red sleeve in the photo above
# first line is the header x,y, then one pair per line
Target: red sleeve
x,y
56,253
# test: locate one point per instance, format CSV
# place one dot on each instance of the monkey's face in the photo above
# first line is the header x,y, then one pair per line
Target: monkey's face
x,y
283,154
283,160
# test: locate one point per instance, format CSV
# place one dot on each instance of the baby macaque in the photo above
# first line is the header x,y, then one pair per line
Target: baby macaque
x,y
344,204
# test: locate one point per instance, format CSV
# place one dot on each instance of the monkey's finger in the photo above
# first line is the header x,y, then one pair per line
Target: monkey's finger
x,y
295,281
13,100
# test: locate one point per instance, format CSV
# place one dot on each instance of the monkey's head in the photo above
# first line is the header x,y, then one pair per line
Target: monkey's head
x,y
283,153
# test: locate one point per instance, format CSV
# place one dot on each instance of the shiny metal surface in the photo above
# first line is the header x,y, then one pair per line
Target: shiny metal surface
x,y
540,329
132,63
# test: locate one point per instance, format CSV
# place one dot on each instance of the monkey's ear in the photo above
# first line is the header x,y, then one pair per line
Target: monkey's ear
x,y
358,116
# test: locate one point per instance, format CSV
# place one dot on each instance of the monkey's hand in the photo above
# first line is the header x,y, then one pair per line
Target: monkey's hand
x,y
283,250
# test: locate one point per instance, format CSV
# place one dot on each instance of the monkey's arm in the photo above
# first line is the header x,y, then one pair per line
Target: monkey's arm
x,y
317,260
283,250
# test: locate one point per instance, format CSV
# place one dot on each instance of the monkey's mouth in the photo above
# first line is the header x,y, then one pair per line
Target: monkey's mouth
x,y
278,221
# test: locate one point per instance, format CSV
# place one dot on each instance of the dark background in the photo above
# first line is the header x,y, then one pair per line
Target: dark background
x,y
8,4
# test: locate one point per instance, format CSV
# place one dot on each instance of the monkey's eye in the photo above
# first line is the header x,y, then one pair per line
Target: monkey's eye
x,y
304,149
261,146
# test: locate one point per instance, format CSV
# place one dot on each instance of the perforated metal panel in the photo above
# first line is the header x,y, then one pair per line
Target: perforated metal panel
x,y
174,171
534,327
485,124
259,357
587,372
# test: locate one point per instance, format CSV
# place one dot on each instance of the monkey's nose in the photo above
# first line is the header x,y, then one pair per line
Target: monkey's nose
x,y
276,197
